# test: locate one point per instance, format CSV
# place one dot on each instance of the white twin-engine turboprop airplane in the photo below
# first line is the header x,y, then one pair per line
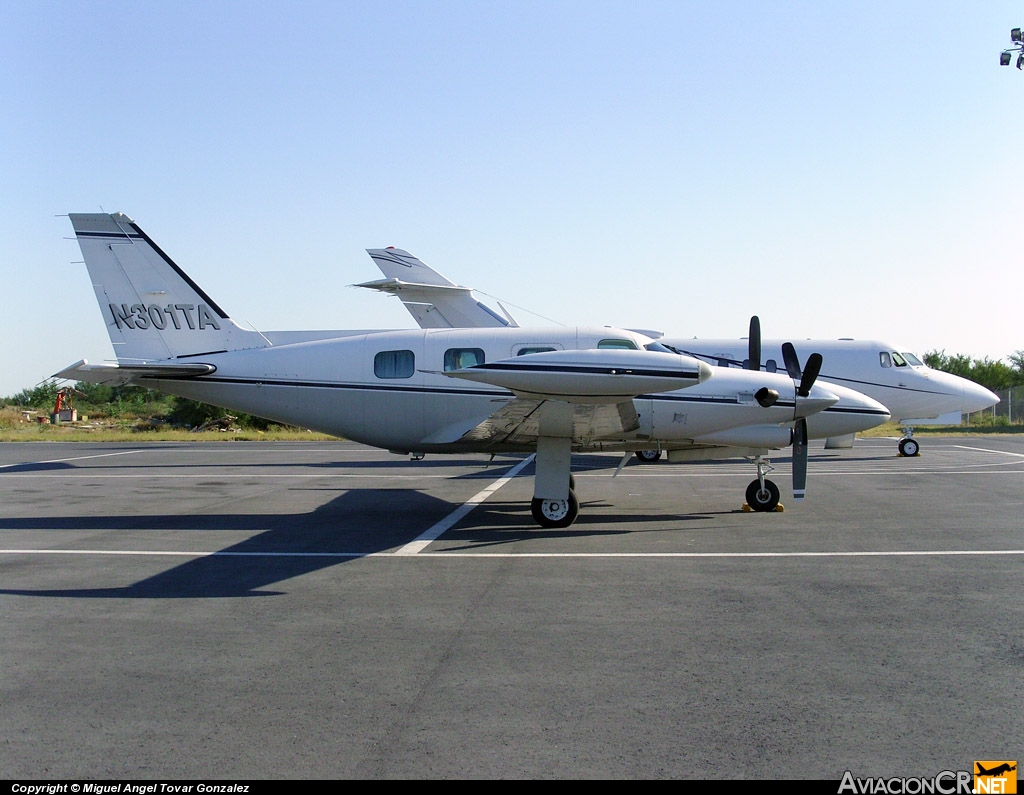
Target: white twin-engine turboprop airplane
x,y
552,391
912,392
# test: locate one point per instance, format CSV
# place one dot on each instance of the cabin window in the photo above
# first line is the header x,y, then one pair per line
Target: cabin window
x,y
625,345
898,360
884,359
458,358
394,364
771,366
528,351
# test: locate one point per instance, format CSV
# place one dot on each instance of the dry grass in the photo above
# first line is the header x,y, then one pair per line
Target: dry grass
x,y
893,429
14,427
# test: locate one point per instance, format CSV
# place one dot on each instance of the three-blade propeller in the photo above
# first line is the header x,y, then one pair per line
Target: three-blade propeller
x,y
807,376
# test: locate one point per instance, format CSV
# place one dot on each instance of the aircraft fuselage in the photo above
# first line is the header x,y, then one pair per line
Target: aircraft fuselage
x,y
343,387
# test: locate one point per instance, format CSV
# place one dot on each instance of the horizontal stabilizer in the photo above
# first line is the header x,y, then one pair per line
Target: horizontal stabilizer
x,y
121,374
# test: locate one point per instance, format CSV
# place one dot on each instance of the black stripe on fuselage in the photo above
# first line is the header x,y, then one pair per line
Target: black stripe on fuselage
x,y
844,410
353,387
838,380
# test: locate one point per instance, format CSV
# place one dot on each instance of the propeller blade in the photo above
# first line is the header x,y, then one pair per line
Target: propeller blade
x,y
790,358
800,459
754,344
810,374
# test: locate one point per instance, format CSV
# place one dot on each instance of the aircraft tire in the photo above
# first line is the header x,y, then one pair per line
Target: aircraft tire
x,y
909,447
555,513
763,501
648,456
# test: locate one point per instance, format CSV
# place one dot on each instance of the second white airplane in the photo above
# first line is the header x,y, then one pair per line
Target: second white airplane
x,y
912,392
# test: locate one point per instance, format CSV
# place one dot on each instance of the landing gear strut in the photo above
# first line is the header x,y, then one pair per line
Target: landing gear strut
x,y
554,502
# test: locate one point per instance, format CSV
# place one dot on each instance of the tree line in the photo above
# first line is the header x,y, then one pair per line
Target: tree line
x,y
995,375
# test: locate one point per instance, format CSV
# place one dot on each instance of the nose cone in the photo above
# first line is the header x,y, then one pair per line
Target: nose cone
x,y
971,396
976,397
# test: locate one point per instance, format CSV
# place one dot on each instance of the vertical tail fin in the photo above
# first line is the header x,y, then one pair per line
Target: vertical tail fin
x,y
433,300
153,310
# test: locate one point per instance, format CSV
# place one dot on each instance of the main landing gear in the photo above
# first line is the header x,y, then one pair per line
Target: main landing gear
x,y
555,513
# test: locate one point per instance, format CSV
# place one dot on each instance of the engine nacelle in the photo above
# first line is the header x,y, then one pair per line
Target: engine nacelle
x,y
772,437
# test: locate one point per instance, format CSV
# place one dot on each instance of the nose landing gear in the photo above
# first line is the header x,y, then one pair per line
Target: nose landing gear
x,y
762,494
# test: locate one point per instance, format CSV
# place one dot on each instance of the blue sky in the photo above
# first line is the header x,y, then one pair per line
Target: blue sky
x,y
840,169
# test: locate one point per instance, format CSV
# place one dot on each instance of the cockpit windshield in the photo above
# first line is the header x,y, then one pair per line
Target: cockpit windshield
x,y
887,359
659,347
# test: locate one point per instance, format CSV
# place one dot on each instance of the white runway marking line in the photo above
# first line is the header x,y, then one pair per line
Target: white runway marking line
x,y
65,460
986,450
418,545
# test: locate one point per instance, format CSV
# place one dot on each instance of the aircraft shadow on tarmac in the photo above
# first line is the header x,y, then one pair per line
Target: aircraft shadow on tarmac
x,y
354,524
357,523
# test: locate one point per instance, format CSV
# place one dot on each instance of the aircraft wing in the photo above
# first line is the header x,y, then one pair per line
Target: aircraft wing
x,y
519,421
579,395
599,376
121,374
